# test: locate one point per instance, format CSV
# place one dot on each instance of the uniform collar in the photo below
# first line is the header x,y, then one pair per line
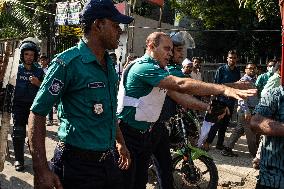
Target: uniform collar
x,y
87,55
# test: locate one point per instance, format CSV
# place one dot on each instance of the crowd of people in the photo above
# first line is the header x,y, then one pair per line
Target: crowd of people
x,y
112,121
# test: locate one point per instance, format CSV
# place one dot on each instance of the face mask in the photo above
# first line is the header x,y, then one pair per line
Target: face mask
x,y
270,69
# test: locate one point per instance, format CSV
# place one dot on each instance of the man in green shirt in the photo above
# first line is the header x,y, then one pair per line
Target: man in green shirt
x,y
84,82
263,78
141,96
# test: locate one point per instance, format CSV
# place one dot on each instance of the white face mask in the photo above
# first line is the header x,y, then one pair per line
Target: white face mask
x,y
270,69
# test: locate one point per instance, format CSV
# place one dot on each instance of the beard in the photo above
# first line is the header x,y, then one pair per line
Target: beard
x,y
28,62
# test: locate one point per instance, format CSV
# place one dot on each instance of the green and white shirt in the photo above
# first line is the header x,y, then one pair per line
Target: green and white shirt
x,y
139,99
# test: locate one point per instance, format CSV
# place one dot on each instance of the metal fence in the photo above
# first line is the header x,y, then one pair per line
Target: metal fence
x,y
208,71
62,43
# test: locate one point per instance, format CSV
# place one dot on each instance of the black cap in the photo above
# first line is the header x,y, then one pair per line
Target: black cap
x,y
99,9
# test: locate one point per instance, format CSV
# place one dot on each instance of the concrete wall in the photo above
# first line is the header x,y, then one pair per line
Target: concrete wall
x,y
140,34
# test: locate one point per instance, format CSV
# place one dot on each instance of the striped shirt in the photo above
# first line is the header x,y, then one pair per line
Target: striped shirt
x,y
271,172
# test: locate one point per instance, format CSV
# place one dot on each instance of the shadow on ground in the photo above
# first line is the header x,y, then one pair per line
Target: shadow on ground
x,y
241,149
13,183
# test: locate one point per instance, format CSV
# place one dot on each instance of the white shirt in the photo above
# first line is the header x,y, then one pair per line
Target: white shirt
x,y
196,76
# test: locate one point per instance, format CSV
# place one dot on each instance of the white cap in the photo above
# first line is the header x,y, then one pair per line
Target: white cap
x,y
186,62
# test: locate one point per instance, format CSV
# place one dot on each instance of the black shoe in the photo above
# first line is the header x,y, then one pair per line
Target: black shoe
x,y
228,152
19,166
219,147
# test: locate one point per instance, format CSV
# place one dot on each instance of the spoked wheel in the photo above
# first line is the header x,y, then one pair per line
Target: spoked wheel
x,y
203,174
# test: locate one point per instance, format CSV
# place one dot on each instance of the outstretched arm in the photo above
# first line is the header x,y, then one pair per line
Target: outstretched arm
x,y
188,101
266,126
241,85
195,87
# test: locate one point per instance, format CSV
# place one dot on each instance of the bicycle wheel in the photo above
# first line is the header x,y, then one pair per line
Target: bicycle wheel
x,y
206,176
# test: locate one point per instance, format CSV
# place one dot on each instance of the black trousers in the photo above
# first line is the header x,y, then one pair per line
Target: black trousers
x,y
139,145
81,170
21,111
161,155
221,128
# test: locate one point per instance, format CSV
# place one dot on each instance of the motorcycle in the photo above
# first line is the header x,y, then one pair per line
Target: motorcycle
x,y
192,166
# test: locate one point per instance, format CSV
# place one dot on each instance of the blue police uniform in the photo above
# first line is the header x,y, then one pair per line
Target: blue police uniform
x,y
24,95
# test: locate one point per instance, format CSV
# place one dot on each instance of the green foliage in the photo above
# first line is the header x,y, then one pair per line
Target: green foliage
x,y
242,15
216,14
265,9
14,22
26,17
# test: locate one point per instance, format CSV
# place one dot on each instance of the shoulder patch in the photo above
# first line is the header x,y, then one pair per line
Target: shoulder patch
x,y
55,86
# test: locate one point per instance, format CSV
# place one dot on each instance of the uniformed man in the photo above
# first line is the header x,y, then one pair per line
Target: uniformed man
x,y
28,80
84,81
141,96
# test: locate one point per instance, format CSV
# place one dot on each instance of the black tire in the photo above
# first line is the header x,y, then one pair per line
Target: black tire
x,y
207,170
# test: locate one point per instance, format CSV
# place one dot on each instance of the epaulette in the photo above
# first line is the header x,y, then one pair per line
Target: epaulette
x,y
67,56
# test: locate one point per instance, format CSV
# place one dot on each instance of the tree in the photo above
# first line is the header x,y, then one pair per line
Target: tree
x,y
18,20
232,15
265,9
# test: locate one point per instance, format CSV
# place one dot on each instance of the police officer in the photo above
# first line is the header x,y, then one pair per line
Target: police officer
x,y
28,80
141,96
84,81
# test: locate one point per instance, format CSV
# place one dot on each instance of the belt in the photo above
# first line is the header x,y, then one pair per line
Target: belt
x,y
88,155
133,129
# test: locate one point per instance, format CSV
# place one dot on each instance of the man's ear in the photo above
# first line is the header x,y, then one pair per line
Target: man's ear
x,y
151,45
98,24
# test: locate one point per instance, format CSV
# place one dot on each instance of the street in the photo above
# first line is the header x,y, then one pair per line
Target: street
x,y
234,172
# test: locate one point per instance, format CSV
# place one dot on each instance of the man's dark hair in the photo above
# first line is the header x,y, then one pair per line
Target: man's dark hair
x,y
196,58
249,63
86,27
271,60
232,52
